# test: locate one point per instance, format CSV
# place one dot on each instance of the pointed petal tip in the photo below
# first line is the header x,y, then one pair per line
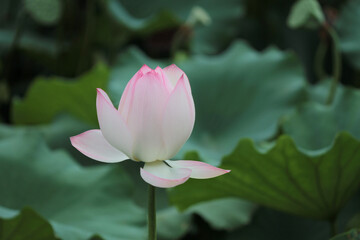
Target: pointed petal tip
x,y
72,140
144,69
181,83
173,65
182,78
223,171
100,91
154,74
101,96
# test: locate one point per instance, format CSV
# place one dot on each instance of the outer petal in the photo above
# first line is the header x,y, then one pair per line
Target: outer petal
x,y
149,97
125,101
178,119
200,170
174,73
160,175
126,98
112,125
93,144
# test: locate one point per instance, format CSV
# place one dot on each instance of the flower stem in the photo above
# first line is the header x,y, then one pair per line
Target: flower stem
x,y
336,64
151,213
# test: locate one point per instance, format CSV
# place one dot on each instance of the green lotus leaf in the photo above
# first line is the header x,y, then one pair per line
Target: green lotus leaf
x,y
26,225
314,125
49,97
313,185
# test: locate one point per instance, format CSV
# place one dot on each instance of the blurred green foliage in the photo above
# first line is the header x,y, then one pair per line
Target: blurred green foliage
x,y
349,33
350,235
27,225
62,96
45,12
306,13
261,73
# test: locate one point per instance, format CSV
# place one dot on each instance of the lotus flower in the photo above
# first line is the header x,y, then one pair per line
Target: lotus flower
x,y
155,118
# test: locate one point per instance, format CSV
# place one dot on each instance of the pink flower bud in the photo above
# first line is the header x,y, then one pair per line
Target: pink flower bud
x,y
155,118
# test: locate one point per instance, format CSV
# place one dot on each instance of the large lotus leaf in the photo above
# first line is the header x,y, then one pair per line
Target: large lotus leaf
x,y
26,225
285,178
145,17
48,97
314,125
56,134
78,202
269,224
347,26
236,94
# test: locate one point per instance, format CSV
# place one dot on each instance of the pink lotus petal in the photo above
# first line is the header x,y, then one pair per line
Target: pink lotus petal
x,y
92,144
178,120
149,96
160,175
174,73
166,82
200,170
145,69
112,125
126,98
125,101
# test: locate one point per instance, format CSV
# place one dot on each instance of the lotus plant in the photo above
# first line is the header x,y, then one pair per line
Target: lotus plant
x,y
155,118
